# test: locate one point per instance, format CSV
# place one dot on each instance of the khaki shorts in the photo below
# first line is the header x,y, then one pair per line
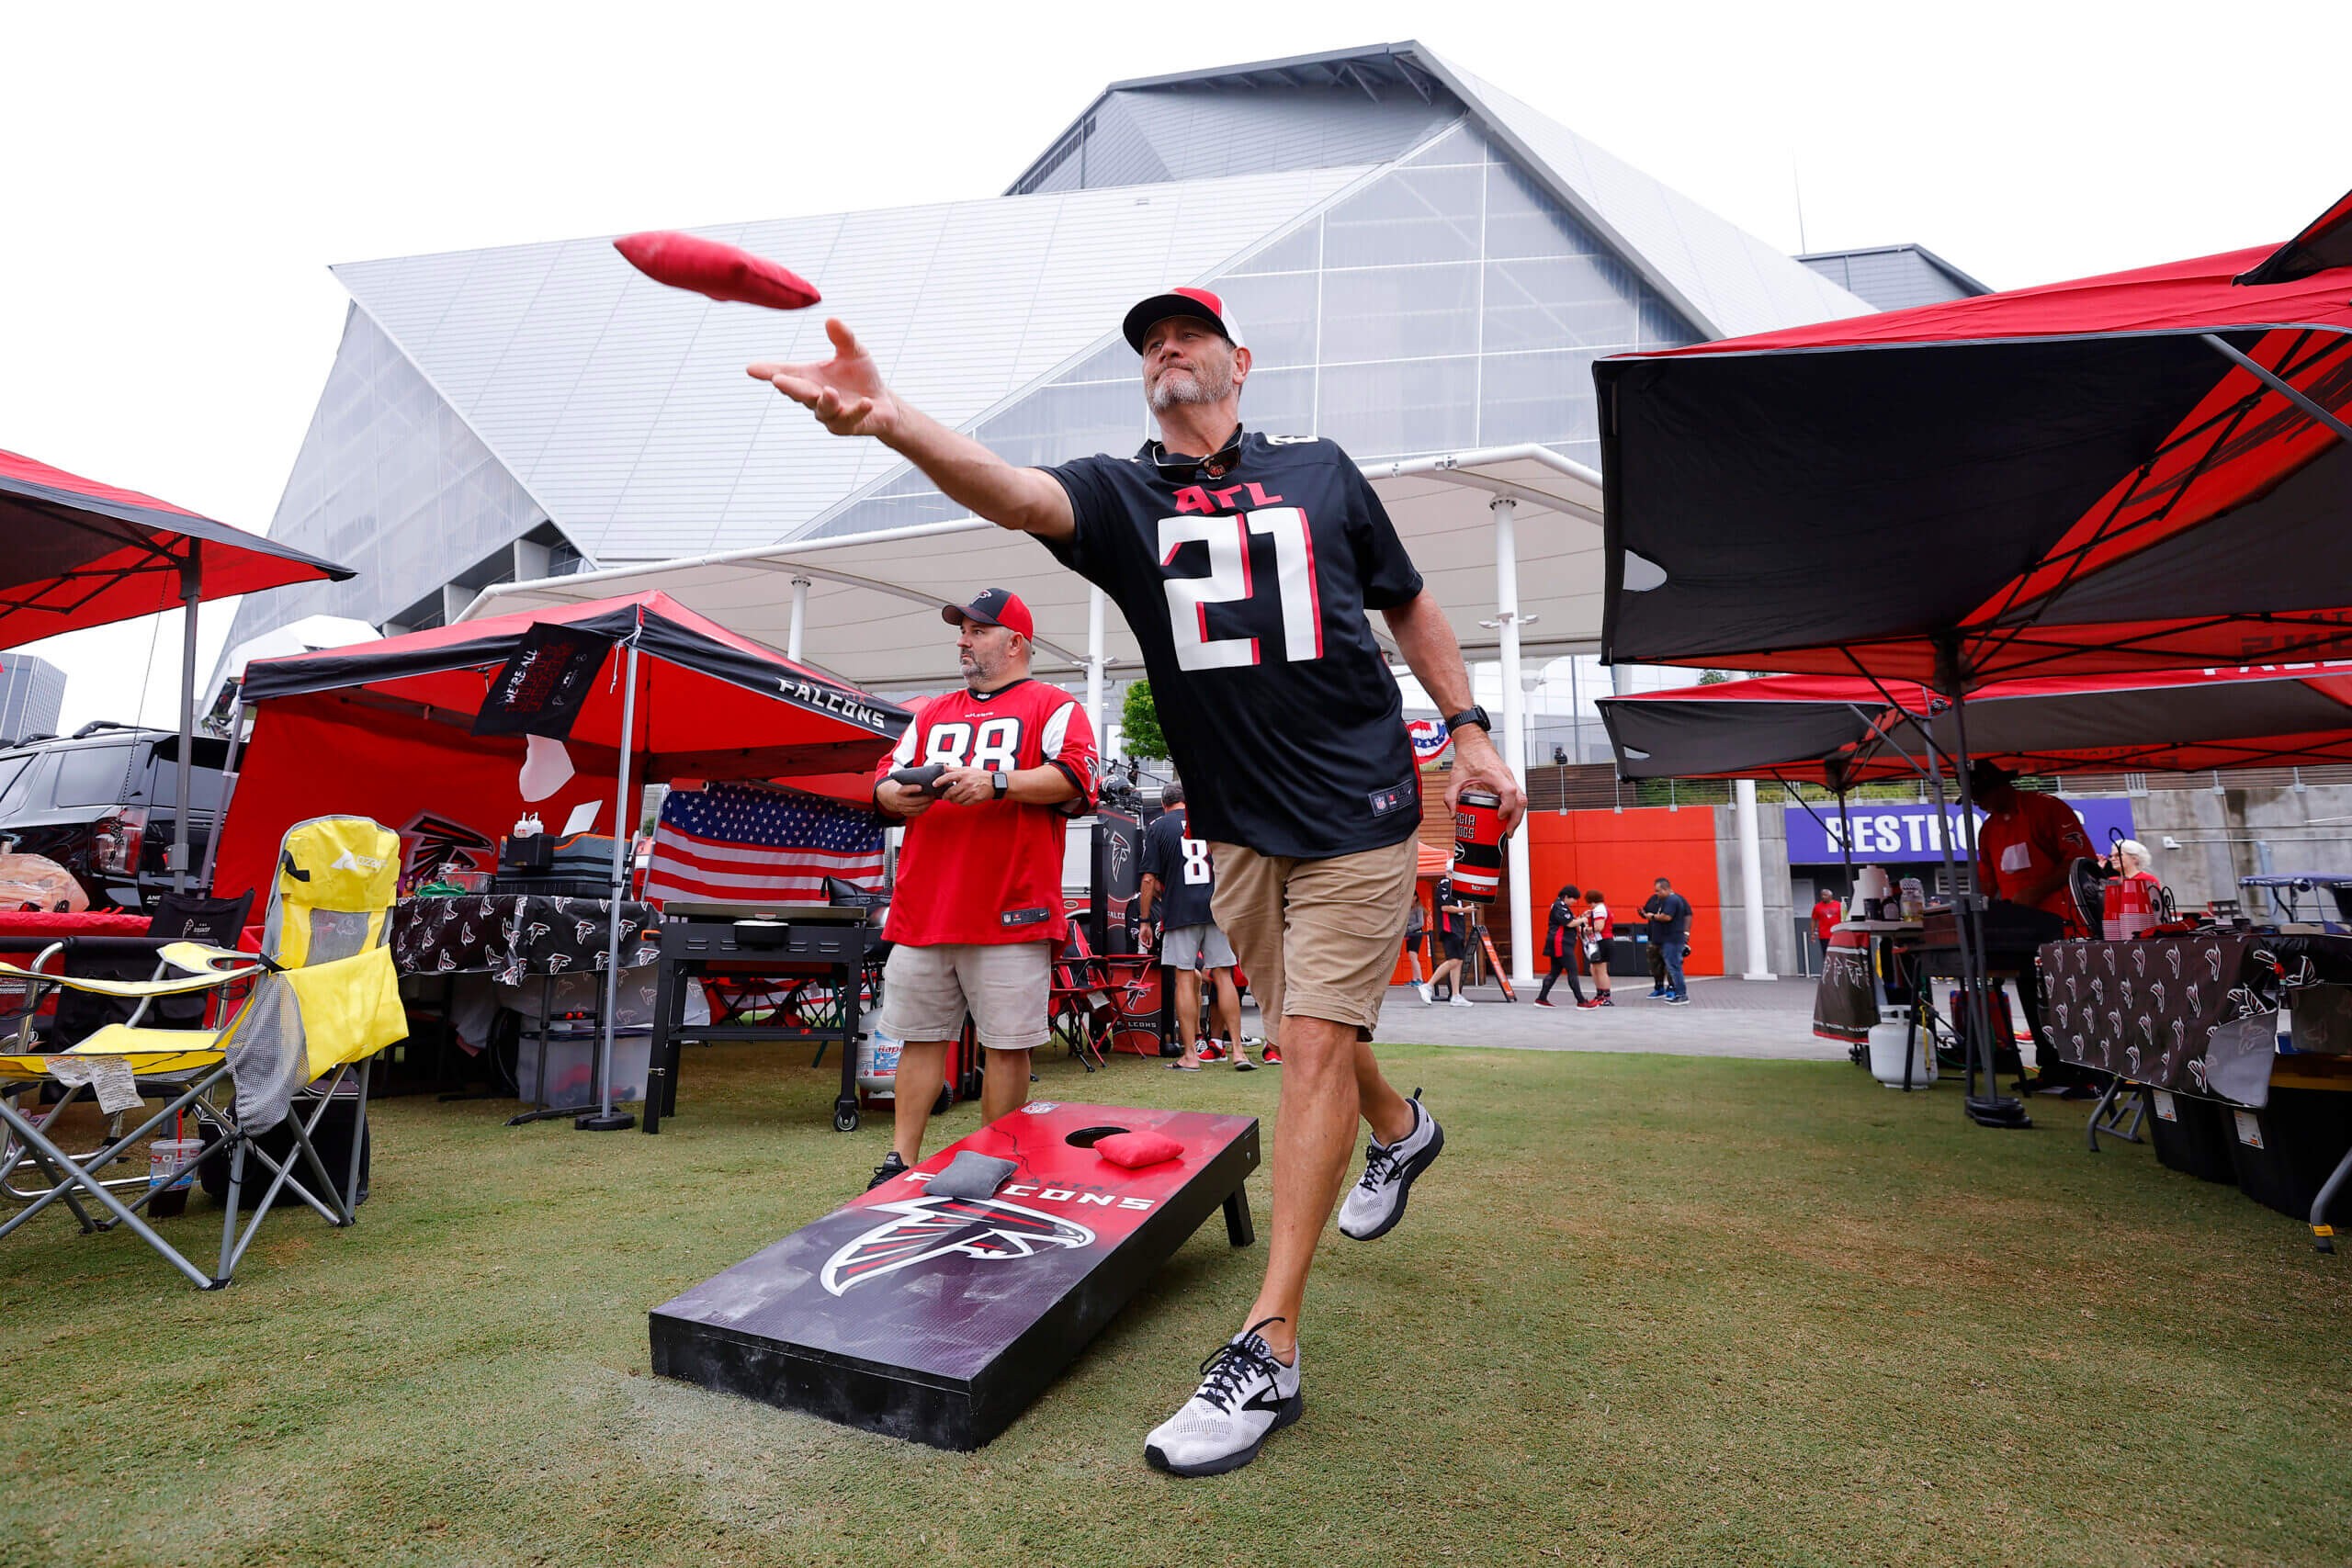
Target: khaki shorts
x,y
1004,986
1317,938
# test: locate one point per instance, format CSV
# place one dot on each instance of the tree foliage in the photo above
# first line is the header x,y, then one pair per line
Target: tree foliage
x,y
1139,724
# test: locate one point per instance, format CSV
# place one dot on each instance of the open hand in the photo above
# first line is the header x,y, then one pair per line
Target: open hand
x,y
845,392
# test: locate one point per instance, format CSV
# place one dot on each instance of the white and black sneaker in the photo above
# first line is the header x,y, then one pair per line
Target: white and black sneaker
x,y
891,1168
1245,1397
1376,1201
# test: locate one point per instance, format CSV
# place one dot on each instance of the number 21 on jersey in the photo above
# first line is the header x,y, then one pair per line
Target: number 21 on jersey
x,y
1230,580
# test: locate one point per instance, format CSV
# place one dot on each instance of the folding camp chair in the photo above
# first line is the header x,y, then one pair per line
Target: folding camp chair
x,y
1090,996
324,1000
79,1014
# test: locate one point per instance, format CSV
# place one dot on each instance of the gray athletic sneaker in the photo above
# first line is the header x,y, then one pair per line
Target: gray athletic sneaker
x,y
1376,1201
1245,1397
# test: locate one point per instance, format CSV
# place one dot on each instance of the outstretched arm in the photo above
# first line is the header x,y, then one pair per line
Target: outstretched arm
x,y
847,395
1426,639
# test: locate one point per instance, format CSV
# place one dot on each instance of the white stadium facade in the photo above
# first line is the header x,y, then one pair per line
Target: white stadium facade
x,y
1424,266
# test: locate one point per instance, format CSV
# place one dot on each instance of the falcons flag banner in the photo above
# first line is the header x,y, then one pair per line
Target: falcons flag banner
x,y
939,1319
753,844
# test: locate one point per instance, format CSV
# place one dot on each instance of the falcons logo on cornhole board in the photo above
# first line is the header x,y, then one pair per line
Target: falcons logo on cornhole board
x,y
919,1229
938,1319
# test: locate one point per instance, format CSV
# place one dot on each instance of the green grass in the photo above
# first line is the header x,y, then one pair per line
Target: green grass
x,y
1646,1310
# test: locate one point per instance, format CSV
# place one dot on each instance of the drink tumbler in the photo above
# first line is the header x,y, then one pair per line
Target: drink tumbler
x,y
1478,845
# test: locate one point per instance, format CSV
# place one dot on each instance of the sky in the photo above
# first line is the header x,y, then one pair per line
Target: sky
x,y
179,178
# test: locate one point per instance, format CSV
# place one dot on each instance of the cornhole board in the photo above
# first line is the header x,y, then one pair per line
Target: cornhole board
x,y
939,1319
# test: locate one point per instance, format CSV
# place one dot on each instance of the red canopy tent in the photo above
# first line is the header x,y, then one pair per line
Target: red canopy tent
x,y
85,554
75,553
2145,470
1838,730
385,728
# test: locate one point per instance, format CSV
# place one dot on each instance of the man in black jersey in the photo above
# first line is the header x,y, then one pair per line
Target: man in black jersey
x,y
1245,564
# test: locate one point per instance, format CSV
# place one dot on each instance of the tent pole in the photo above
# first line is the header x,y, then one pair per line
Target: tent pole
x,y
799,619
1094,602
191,590
228,792
1993,1109
2280,385
1522,908
606,1119
1845,839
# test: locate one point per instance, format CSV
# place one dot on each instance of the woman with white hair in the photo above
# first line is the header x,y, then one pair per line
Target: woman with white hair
x,y
2134,897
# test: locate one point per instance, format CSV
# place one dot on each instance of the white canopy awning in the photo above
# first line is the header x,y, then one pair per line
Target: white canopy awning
x,y
873,600
1508,539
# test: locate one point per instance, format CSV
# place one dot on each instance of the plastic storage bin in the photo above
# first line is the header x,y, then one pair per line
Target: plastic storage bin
x,y
2285,1152
2191,1136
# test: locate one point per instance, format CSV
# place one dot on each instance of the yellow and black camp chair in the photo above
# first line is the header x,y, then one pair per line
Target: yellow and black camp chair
x,y
324,1000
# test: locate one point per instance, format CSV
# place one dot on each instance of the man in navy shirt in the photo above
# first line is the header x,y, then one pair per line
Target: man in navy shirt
x,y
1245,565
1179,881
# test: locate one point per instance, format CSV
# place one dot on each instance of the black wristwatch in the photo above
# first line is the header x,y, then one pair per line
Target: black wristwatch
x,y
1473,715
1003,781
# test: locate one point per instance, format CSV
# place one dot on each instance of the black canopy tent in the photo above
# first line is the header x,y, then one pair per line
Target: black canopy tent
x,y
2145,471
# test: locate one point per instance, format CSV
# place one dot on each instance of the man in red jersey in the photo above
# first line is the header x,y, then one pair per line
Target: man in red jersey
x,y
976,916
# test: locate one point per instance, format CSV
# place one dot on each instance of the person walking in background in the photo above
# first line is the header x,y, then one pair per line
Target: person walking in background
x,y
1668,916
1563,944
1600,946
1826,913
1454,941
1416,927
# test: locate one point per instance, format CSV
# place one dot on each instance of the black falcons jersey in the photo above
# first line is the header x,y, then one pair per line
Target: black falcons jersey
x,y
1187,871
1246,576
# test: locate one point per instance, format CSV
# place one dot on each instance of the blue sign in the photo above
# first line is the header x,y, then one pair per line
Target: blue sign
x,y
1885,833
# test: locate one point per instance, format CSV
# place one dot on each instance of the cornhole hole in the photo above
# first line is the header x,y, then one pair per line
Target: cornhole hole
x,y
939,1319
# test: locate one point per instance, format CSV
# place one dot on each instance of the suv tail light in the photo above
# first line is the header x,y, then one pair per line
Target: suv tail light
x,y
117,840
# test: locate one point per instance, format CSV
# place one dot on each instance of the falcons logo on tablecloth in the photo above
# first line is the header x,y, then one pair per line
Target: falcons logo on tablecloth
x,y
918,1229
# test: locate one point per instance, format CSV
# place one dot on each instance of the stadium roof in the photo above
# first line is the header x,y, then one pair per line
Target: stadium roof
x,y
614,403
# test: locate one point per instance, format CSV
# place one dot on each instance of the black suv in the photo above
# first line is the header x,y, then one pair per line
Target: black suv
x,y
103,804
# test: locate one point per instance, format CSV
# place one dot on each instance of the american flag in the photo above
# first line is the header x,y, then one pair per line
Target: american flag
x,y
737,844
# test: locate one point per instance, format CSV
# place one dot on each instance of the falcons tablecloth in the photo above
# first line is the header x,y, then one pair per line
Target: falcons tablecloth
x,y
2196,1012
511,935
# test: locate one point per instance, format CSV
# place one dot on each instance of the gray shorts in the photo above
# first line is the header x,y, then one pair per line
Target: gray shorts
x,y
1195,947
1006,987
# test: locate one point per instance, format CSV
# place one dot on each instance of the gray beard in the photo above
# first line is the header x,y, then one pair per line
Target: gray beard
x,y
1181,387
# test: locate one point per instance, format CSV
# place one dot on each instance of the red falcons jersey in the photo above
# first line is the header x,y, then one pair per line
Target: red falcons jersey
x,y
991,872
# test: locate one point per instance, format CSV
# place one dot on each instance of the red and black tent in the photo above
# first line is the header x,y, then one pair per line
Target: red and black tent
x,y
78,553
386,729
75,553
2145,470
1838,730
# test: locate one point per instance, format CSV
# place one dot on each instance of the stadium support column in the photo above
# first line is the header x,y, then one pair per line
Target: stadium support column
x,y
1751,878
799,619
1094,662
1514,736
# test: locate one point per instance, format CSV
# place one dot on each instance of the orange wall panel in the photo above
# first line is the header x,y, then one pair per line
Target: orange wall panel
x,y
1622,852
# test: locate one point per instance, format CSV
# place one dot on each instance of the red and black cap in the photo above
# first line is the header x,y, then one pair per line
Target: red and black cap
x,y
1198,302
994,607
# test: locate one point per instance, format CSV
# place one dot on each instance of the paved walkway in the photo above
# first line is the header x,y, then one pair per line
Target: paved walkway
x,y
1726,1018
